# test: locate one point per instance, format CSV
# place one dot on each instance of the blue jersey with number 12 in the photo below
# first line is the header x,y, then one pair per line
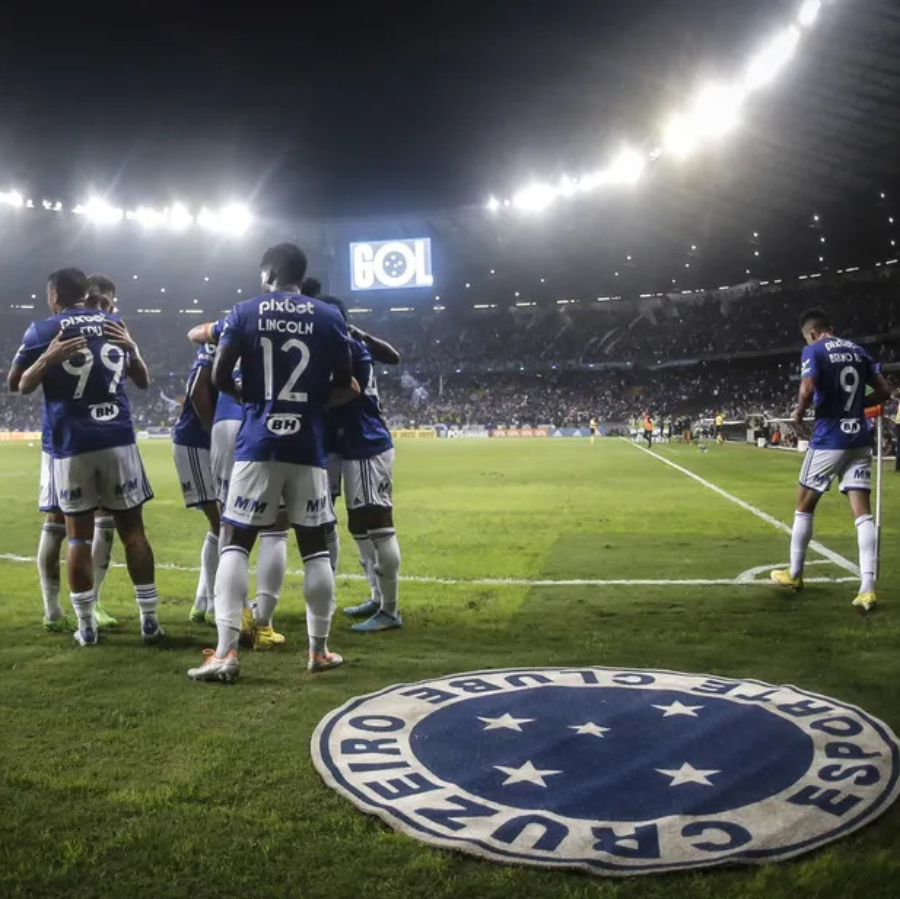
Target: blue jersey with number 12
x,y
840,369
85,404
288,346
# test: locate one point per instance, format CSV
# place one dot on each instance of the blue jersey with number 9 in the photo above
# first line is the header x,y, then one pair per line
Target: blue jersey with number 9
x,y
288,346
85,404
840,370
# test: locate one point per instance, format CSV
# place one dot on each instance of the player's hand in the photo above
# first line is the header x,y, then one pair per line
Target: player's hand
x,y
118,334
355,333
59,350
798,423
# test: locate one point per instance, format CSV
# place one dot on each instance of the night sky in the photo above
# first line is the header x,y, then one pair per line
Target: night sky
x,y
340,108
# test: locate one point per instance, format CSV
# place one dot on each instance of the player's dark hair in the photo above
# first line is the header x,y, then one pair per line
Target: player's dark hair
x,y
817,317
285,263
338,304
312,287
101,285
70,285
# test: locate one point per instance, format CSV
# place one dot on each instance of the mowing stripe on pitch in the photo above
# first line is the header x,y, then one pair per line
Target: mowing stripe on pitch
x,y
739,581
829,554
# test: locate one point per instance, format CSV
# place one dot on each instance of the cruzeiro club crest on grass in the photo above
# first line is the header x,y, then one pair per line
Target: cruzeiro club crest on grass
x,y
610,770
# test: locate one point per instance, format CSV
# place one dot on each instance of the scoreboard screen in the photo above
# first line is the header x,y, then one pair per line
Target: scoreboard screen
x,y
391,264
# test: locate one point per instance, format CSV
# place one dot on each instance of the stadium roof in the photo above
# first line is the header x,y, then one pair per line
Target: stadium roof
x,y
402,124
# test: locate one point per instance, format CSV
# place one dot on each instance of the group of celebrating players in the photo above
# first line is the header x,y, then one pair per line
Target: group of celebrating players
x,y
281,407
281,411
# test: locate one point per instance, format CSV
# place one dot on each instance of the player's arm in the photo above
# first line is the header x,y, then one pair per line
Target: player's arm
x,y
203,333
203,397
57,352
14,376
119,335
381,350
227,355
881,391
344,387
804,400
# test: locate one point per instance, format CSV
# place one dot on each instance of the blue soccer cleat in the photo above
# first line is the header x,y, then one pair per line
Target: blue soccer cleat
x,y
86,637
363,610
380,621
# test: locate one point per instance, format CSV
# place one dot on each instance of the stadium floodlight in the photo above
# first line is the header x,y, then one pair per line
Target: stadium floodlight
x,y
568,186
714,112
12,198
626,168
179,217
534,198
493,204
809,12
233,219
679,138
99,211
771,59
149,218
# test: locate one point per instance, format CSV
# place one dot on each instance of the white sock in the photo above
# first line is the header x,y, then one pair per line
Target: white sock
x,y
867,537
101,550
801,534
387,567
333,541
367,562
209,562
52,536
318,591
83,604
232,584
146,597
271,566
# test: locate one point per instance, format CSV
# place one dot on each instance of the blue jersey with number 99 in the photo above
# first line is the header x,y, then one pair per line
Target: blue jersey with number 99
x,y
85,405
840,370
288,346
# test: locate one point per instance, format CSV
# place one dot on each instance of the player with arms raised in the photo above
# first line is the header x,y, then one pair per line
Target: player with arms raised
x,y
295,359
834,376
81,357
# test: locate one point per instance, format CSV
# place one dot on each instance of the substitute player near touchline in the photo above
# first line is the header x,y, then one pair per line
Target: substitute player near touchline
x,y
834,375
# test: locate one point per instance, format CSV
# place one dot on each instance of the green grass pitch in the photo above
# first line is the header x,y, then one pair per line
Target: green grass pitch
x,y
120,777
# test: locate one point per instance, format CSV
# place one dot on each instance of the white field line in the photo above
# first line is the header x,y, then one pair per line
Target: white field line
x,y
743,580
829,554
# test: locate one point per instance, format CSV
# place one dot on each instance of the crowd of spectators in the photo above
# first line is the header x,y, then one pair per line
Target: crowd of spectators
x,y
733,351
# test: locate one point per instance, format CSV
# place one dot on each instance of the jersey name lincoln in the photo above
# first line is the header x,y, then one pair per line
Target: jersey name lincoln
x,y
285,325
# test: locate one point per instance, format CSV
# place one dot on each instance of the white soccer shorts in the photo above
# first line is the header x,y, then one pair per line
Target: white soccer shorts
x,y
47,498
335,463
195,475
369,482
853,467
221,455
112,478
257,487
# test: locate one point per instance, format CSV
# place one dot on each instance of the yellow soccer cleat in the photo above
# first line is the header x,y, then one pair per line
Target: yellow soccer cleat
x,y
246,635
265,638
783,579
866,602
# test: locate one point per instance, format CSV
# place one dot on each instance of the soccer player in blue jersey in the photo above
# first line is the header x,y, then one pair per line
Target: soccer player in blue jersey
x,y
81,358
362,441
295,360
191,452
834,376
257,619
102,295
